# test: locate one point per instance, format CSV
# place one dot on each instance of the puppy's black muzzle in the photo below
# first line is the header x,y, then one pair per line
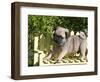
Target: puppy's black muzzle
x,y
57,39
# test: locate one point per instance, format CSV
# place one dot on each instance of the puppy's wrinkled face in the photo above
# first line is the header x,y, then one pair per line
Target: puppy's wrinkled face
x,y
60,35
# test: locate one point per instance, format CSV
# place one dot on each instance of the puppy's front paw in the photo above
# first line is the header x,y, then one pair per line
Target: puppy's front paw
x,y
45,60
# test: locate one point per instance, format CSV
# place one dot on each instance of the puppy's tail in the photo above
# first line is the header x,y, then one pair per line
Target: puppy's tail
x,y
82,35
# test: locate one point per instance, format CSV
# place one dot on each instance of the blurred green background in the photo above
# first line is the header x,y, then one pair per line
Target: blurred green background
x,y
44,25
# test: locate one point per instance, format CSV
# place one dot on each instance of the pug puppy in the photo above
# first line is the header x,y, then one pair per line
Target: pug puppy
x,y
68,44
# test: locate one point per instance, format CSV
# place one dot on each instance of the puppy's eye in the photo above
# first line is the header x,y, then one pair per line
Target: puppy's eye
x,y
60,37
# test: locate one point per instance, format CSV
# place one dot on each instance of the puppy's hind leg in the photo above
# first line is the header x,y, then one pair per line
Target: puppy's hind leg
x,y
83,49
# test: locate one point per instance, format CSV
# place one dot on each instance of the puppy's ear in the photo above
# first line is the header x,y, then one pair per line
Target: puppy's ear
x,y
67,33
54,29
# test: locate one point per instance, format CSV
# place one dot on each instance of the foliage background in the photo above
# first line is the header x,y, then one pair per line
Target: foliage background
x,y
44,25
